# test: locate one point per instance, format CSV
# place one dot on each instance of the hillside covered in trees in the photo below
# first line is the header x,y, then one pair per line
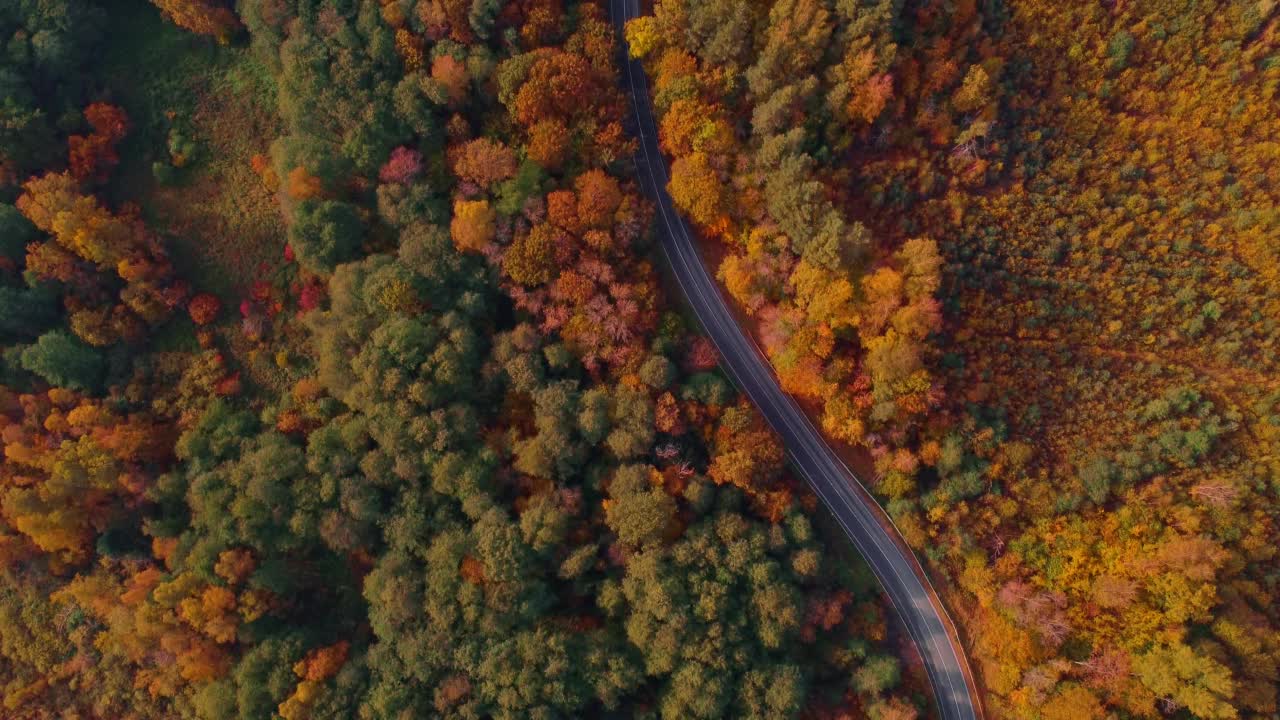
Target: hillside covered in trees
x,y
339,377
1022,256
338,382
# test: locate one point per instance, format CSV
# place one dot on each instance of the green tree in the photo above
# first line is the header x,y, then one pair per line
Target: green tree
x,y
658,372
63,361
15,232
877,674
638,512
325,233
26,312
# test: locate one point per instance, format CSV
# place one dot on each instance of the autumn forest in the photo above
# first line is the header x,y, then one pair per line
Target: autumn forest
x,y
344,372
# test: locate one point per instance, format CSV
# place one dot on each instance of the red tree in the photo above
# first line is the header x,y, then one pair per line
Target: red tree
x,y
401,167
204,308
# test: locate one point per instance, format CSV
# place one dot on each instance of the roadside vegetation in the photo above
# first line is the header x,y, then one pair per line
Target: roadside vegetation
x,y
1021,255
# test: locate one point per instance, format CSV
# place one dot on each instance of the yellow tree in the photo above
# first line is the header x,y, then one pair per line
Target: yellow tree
x,y
472,225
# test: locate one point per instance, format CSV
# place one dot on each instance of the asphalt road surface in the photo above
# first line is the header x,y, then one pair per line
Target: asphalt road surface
x,y
832,481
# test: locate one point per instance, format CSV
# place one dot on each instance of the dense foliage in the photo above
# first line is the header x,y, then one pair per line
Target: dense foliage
x,y
1081,434
451,455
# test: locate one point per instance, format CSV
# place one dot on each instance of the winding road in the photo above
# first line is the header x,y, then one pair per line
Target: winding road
x,y
862,519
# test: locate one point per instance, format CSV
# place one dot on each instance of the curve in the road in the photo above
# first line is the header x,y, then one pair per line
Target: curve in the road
x,y
866,524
